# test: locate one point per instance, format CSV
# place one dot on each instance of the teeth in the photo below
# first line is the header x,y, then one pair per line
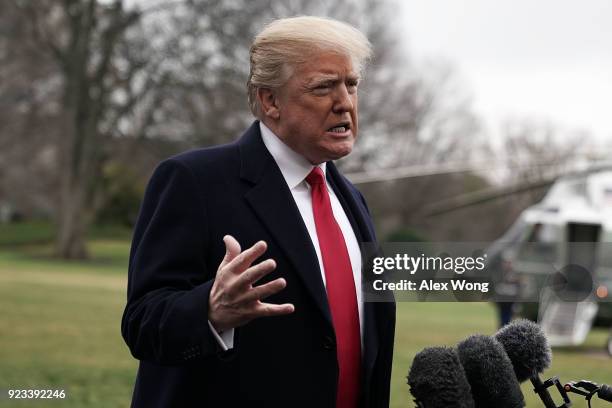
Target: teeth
x,y
338,129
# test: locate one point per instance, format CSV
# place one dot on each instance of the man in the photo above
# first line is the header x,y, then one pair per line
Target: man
x,y
281,323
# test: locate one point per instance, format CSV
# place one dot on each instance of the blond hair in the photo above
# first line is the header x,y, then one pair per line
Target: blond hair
x,y
287,42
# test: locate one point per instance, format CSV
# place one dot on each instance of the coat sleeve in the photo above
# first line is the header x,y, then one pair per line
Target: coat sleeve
x,y
166,317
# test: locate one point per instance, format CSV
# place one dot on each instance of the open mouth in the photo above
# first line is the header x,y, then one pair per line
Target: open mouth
x,y
340,128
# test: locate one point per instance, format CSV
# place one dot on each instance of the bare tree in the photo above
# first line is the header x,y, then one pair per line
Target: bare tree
x,y
536,148
176,71
81,38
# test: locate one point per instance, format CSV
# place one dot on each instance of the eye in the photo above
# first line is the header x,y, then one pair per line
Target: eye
x,y
352,85
322,88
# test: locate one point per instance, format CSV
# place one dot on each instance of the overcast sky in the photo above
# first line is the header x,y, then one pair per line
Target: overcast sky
x,y
543,58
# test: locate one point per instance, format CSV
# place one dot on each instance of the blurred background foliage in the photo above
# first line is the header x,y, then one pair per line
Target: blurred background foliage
x,y
96,90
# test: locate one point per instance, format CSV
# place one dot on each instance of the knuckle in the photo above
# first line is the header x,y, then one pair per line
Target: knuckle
x,y
269,290
255,294
240,258
224,302
258,271
268,309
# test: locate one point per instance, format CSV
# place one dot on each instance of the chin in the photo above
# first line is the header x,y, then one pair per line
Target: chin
x,y
340,152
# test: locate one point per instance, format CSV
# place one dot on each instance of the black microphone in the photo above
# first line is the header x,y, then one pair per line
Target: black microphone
x,y
489,372
528,349
605,392
437,380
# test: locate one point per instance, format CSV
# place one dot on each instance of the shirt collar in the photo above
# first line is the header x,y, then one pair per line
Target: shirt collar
x,y
292,165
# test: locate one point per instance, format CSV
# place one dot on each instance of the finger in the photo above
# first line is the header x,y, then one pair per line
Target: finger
x,y
242,284
269,309
232,250
255,273
246,257
263,291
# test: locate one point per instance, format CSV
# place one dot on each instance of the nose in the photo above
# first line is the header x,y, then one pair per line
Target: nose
x,y
343,100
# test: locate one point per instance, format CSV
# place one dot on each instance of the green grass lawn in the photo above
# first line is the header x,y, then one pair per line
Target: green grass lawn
x,y
60,329
60,326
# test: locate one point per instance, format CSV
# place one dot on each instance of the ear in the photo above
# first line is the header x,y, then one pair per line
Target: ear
x,y
268,101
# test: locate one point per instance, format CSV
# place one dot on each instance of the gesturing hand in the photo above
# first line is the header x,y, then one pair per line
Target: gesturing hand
x,y
234,301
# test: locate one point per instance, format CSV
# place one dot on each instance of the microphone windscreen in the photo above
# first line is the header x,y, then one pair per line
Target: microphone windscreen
x,y
526,346
437,379
489,372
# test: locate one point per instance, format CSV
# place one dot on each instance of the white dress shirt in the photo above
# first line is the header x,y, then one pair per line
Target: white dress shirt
x,y
295,168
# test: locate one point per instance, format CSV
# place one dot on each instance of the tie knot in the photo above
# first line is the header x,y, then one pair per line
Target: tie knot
x,y
315,177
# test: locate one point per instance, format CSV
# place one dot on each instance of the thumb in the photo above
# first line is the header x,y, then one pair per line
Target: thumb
x,y
232,249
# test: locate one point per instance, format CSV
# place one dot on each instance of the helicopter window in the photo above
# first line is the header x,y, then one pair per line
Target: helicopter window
x,y
540,245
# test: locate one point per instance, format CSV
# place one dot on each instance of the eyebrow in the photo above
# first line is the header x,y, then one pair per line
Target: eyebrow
x,y
322,78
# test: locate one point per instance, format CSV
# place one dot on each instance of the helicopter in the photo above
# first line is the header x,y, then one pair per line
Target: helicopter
x,y
571,225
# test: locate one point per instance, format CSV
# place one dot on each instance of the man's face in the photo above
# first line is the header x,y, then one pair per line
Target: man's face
x,y
318,108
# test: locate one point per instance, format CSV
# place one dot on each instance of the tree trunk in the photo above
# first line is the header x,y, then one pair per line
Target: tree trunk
x,y
75,176
71,216
71,226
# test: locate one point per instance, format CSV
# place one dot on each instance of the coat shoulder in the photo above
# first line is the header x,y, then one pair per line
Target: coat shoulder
x,y
215,157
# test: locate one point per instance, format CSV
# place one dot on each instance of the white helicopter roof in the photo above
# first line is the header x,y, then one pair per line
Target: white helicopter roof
x,y
584,198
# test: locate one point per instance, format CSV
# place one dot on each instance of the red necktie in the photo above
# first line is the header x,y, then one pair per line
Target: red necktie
x,y
341,294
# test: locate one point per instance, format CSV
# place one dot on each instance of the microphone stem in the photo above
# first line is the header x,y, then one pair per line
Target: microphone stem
x,y
542,391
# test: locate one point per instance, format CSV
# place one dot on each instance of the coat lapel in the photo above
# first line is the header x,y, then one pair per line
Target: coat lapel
x,y
357,215
274,205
